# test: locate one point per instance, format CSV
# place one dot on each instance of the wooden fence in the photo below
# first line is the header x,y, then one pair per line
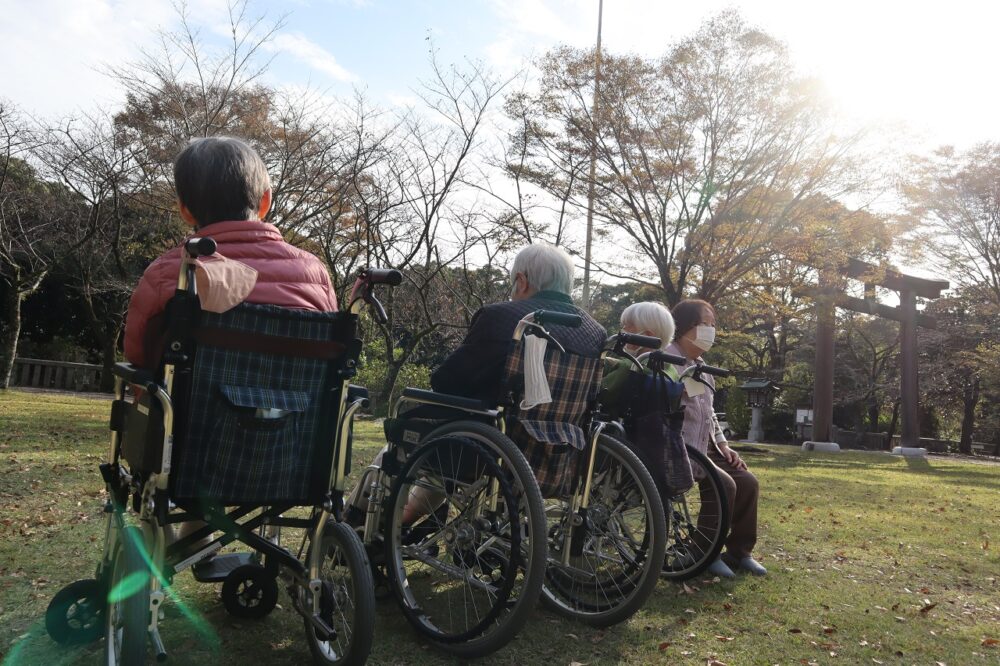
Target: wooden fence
x,y
62,375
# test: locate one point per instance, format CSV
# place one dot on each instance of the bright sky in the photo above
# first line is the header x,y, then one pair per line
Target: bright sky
x,y
929,65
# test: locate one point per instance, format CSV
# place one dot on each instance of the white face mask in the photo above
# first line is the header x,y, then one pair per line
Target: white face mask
x,y
704,337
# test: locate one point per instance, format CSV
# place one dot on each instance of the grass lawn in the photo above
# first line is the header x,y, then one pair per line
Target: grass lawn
x,y
873,560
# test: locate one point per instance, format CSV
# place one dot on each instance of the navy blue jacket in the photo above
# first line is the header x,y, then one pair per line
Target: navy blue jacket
x,y
475,369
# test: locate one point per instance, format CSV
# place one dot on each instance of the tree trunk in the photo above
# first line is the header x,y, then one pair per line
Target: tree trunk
x,y
873,412
385,392
109,354
970,399
10,330
892,424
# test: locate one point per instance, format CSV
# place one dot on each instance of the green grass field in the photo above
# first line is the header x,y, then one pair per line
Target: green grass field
x,y
873,560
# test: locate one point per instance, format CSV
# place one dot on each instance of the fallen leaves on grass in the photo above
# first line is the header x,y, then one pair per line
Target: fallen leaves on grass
x,y
990,642
664,645
927,607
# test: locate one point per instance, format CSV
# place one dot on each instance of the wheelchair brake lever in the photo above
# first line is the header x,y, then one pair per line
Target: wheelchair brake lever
x,y
376,304
531,328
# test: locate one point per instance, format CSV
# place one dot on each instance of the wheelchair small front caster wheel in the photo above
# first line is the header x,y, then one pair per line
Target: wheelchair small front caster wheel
x,y
250,592
75,614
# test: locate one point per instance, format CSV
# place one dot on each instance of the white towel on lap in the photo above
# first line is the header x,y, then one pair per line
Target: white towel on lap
x,y
536,386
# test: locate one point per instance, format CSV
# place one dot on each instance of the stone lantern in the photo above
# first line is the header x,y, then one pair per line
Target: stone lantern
x,y
760,394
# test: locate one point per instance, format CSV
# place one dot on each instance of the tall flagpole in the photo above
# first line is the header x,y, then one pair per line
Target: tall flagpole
x,y
593,159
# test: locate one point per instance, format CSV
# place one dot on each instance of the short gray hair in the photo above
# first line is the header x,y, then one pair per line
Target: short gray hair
x,y
650,316
545,267
220,179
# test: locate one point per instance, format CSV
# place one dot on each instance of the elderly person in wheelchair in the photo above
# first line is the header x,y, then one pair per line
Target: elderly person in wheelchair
x,y
498,485
240,357
541,279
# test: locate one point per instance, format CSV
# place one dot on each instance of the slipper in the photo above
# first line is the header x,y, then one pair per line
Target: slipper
x,y
719,568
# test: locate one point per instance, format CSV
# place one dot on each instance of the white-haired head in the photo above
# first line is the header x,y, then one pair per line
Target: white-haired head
x,y
541,267
649,318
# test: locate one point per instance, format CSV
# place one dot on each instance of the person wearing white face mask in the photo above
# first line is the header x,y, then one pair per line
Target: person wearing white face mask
x,y
694,335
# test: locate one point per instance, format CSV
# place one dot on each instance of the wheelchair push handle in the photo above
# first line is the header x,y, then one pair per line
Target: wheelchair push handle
x,y
534,323
637,340
364,289
664,357
199,247
550,317
702,369
389,276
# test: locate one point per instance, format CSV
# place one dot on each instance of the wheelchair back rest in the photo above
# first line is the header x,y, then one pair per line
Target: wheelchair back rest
x,y
256,404
549,434
573,380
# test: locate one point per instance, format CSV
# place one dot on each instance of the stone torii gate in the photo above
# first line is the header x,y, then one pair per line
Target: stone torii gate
x,y
827,300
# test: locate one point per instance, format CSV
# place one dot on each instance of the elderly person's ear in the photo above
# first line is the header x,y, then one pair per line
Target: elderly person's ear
x,y
186,215
265,205
521,288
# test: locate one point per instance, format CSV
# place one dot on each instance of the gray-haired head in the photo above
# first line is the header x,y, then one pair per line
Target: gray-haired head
x,y
652,317
220,179
545,267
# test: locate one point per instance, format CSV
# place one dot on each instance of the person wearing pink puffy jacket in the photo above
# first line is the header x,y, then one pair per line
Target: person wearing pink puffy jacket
x,y
224,192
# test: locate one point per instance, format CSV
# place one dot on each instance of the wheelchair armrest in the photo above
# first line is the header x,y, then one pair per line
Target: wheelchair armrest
x,y
134,375
445,400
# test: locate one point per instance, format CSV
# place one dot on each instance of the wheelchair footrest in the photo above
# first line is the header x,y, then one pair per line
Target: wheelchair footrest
x,y
215,569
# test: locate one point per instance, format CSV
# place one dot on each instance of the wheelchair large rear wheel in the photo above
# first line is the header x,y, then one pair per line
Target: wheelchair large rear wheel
x,y
697,522
602,569
463,539
127,613
347,598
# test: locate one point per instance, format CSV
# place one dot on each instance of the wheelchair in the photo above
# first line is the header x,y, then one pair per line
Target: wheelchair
x,y
234,433
507,513
453,519
698,518
606,529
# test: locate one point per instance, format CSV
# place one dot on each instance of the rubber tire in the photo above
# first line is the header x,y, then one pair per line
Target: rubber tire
x,y
645,588
56,620
135,607
267,587
363,637
720,539
534,576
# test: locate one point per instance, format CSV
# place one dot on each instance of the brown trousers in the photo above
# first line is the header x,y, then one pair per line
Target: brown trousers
x,y
742,491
